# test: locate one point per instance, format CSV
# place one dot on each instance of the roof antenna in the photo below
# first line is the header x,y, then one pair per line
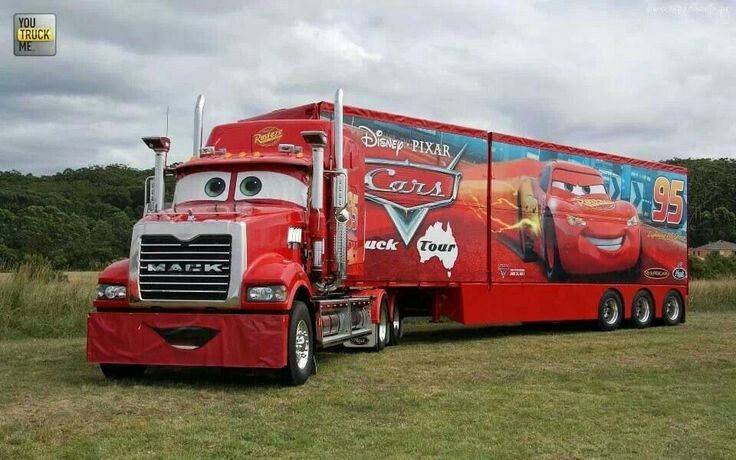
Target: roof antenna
x,y
167,121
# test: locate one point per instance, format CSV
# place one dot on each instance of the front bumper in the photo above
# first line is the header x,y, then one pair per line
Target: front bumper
x,y
231,340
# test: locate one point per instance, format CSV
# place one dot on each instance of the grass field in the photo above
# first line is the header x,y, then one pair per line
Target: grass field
x,y
447,391
554,391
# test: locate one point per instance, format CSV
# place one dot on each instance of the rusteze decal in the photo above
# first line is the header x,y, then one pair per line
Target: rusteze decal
x,y
268,136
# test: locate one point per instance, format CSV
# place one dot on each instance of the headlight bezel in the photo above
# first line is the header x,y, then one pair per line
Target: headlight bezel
x,y
272,293
111,292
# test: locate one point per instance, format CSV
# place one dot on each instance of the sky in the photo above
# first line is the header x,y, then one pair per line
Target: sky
x,y
650,79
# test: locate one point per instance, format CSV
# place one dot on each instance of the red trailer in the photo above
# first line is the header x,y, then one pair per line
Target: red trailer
x,y
324,225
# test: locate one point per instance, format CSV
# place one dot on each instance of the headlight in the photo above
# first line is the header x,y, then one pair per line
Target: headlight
x,y
267,294
633,221
111,292
575,220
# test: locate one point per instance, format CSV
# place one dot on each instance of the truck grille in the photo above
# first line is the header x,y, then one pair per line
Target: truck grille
x,y
198,269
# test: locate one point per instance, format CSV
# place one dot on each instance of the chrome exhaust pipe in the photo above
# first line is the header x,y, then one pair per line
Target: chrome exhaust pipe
x,y
198,120
340,192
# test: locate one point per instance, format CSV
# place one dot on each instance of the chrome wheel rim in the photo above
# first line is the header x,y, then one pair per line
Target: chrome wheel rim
x,y
397,321
302,344
672,308
610,311
642,310
383,326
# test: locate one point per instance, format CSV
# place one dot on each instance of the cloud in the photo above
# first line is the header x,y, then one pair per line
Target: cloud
x,y
651,80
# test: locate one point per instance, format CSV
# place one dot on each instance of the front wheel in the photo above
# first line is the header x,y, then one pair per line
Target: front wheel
x,y
301,346
552,264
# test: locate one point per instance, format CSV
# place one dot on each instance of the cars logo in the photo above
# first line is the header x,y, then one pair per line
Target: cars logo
x,y
409,190
656,273
268,136
679,273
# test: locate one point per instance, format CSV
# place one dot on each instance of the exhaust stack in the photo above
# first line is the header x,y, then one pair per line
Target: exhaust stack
x,y
160,147
340,193
198,120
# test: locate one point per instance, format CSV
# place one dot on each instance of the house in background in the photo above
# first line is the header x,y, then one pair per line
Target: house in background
x,y
724,248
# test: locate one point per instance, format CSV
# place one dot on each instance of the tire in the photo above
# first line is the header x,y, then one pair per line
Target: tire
x,y
383,332
642,310
673,309
610,311
552,265
525,243
300,361
122,371
397,327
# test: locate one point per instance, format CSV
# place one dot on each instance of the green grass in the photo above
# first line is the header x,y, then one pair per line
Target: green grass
x,y
38,302
447,391
545,391
713,295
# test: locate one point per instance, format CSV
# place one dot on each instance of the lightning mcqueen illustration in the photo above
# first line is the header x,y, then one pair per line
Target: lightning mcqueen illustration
x,y
579,229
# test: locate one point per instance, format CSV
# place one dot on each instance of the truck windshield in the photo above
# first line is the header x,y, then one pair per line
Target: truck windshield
x,y
253,185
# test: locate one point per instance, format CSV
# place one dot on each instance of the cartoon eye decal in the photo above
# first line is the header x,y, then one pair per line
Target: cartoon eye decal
x,y
270,185
251,186
569,187
586,189
215,187
206,186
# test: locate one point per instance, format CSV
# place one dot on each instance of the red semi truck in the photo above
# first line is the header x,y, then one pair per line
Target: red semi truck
x,y
325,225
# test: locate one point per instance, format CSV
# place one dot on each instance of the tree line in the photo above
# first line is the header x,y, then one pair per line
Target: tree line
x,y
81,219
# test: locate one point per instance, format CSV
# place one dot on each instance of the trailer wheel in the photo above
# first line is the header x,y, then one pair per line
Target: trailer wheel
x,y
300,362
397,327
552,265
610,311
642,309
672,309
383,329
122,371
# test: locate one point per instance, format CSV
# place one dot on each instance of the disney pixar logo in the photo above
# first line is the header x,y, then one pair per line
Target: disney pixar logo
x,y
34,34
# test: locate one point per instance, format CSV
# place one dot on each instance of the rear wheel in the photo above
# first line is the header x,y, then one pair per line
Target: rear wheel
x,y
610,311
301,346
673,309
122,371
642,310
382,329
397,327
552,265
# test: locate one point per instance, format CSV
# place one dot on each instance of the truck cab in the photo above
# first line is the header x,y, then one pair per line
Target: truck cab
x,y
250,265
